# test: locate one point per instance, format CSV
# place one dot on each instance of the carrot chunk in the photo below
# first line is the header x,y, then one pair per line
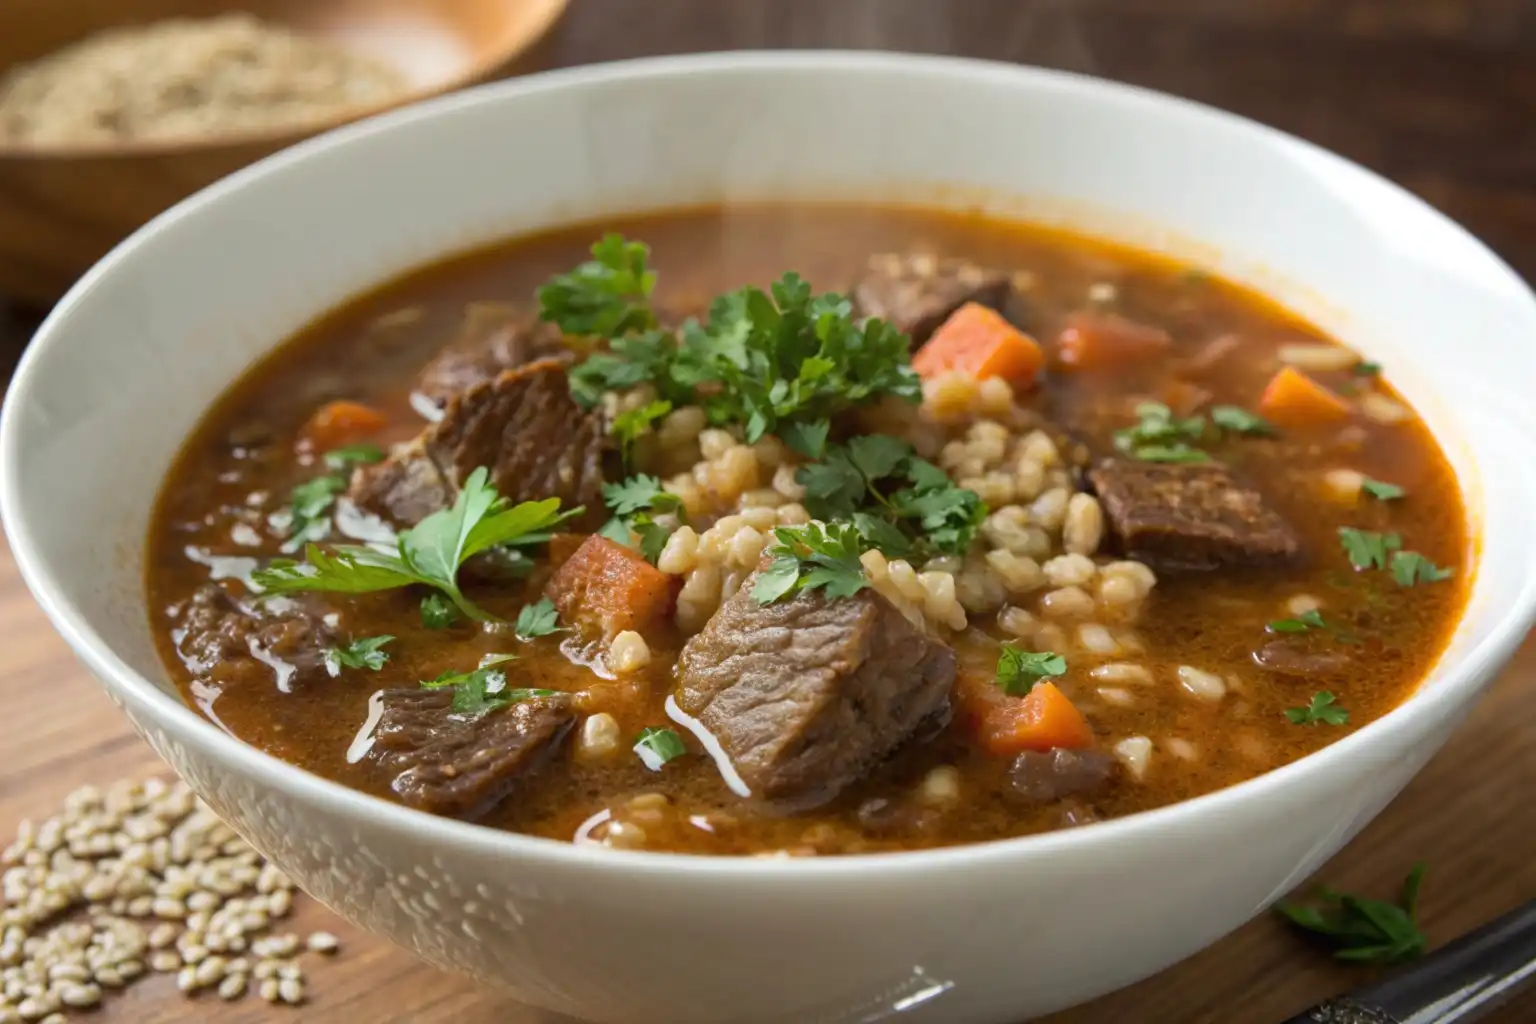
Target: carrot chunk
x,y
1293,399
606,588
1042,720
978,342
340,423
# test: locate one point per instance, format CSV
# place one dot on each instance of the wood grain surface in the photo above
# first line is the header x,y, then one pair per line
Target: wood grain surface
x,y
1436,93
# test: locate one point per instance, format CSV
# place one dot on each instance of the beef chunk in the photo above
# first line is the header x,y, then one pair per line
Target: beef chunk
x,y
916,293
281,642
808,694
1189,516
521,424
459,765
405,488
493,338
1042,778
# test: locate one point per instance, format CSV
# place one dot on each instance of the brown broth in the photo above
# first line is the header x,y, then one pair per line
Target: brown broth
x,y
1212,621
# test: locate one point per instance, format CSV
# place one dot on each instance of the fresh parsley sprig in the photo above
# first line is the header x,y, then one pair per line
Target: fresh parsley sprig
x,y
1368,550
636,502
813,557
537,619
1322,709
483,688
1019,670
366,652
902,504
1362,930
605,297
1159,436
783,361
428,553
310,502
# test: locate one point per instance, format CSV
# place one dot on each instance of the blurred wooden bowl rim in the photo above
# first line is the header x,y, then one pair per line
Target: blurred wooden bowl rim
x,y
63,207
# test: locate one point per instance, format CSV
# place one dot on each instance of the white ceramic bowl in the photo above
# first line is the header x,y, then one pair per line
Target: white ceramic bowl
x,y
992,933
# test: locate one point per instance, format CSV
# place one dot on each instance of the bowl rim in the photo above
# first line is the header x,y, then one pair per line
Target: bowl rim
x,y
180,722
547,14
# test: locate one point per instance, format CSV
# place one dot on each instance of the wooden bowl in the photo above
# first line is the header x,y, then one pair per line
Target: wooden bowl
x,y
63,207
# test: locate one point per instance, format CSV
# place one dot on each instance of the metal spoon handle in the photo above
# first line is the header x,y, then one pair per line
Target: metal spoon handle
x,y
1459,983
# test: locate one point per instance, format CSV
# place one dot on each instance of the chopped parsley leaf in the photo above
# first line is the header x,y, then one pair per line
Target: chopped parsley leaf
x,y
1368,550
1410,567
309,507
902,504
1310,619
1366,369
629,427
429,553
537,619
783,361
1238,420
656,747
1362,930
1178,452
366,653
1019,670
1159,436
810,557
636,502
1323,708
607,296
483,688
351,455
1380,490
437,612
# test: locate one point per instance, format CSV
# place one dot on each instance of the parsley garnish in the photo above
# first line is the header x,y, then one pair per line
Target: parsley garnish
x,y
656,747
635,503
537,619
1158,436
1240,421
365,653
1380,490
309,507
484,688
437,612
1410,567
1367,550
351,455
1310,619
429,553
1364,930
607,296
1364,369
782,361
901,504
1019,670
629,427
811,556
1323,708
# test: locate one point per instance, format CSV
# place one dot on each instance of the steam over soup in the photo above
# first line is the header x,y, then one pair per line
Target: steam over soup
x,y
804,529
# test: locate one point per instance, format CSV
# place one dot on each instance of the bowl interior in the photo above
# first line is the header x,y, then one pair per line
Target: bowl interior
x,y
436,44
130,360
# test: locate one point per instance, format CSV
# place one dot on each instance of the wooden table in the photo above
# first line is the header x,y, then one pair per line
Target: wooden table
x,y
1437,93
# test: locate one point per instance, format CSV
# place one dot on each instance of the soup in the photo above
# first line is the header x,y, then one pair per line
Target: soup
x,y
675,551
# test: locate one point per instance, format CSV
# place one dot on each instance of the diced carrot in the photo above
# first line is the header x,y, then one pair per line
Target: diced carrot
x,y
978,342
1293,399
1041,720
1105,341
606,588
340,423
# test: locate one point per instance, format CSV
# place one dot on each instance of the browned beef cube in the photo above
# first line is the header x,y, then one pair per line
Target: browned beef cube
x,y
229,643
463,766
1040,778
808,694
493,338
916,293
1189,516
522,425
